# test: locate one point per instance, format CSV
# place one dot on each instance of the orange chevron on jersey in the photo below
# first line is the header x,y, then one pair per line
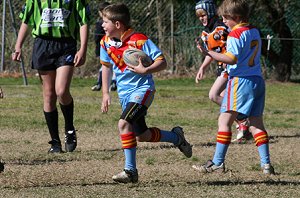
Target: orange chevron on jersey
x,y
128,39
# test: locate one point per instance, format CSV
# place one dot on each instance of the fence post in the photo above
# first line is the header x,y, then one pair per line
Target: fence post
x,y
12,14
2,68
172,37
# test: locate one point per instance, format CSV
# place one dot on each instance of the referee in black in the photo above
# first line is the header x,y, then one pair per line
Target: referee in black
x,y
56,26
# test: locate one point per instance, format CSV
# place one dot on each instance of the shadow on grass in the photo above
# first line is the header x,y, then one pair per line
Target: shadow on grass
x,y
66,185
141,147
160,183
252,182
210,183
285,136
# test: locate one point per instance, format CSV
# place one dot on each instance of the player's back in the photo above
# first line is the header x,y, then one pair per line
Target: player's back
x,y
244,43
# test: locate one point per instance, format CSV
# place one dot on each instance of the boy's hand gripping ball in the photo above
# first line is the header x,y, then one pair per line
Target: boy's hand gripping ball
x,y
131,57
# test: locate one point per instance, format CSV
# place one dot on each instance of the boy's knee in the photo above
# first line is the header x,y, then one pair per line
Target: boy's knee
x,y
122,125
253,130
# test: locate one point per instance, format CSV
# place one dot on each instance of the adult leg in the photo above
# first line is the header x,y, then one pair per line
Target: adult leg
x,y
50,110
62,84
62,88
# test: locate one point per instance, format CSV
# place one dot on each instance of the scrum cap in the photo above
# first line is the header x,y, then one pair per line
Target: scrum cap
x,y
209,6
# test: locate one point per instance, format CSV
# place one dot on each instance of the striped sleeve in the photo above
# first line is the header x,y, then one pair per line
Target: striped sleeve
x,y
84,12
26,14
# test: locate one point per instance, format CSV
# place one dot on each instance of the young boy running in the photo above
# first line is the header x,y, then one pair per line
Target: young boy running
x,y
135,88
245,90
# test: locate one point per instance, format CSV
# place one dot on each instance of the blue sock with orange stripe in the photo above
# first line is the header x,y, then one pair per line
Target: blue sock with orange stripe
x,y
223,141
262,143
163,136
129,145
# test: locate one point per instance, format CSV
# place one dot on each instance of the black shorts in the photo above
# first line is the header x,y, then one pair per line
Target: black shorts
x,y
220,69
135,114
49,54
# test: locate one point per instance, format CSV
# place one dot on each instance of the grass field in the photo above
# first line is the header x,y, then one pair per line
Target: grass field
x,y
164,171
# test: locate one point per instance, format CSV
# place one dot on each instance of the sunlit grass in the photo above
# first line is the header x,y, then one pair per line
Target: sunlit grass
x,y
164,171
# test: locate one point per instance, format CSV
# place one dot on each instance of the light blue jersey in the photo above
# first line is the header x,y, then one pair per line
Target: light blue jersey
x,y
245,90
128,82
244,46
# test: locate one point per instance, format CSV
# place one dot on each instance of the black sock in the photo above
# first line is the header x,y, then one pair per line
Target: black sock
x,y
52,123
68,112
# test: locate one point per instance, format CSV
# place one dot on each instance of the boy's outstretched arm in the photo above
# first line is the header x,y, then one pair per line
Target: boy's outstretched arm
x,y
202,68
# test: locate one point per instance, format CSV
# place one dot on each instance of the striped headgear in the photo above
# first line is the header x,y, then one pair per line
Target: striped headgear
x,y
209,6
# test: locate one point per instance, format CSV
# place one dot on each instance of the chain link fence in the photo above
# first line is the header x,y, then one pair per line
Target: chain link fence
x,y
172,25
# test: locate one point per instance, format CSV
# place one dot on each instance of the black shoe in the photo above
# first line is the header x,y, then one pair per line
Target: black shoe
x,y
55,147
70,141
96,87
1,166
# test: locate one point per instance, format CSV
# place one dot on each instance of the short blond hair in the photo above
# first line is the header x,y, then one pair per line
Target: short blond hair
x,y
234,8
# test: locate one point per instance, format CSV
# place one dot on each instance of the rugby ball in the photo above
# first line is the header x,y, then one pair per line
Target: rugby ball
x,y
131,57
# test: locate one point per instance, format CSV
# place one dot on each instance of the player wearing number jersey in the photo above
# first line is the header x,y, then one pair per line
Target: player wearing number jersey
x,y
244,37
213,37
56,26
245,89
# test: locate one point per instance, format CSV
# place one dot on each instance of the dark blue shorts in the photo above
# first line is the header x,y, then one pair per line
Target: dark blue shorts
x,y
49,54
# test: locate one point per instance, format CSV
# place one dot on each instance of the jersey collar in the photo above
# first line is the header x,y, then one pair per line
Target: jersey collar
x,y
127,34
240,25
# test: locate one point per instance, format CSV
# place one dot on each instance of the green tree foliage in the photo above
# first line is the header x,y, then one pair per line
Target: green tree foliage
x,y
279,18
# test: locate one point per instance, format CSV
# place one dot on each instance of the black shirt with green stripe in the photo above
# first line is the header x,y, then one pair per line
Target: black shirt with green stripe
x,y
56,18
